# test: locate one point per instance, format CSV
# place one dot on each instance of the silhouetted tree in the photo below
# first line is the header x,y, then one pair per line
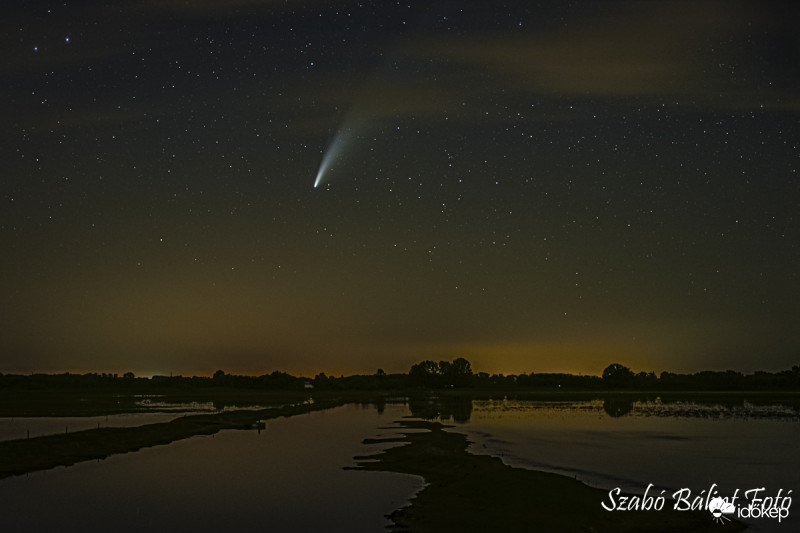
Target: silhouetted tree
x,y
617,375
424,373
460,372
457,373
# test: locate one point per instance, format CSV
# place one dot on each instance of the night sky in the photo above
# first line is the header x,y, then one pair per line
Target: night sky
x,y
535,186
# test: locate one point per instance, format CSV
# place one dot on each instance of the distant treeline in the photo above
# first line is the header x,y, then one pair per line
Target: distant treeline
x,y
456,374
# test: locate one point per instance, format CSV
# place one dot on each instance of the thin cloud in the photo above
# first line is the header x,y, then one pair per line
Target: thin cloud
x,y
657,49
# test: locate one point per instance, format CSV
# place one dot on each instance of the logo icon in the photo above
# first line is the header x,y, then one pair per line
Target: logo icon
x,y
719,508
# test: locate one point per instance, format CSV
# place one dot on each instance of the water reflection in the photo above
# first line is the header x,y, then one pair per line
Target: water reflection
x,y
628,441
30,427
288,478
287,475
617,407
137,410
457,407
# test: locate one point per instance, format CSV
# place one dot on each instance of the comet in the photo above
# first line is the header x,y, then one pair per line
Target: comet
x,y
333,153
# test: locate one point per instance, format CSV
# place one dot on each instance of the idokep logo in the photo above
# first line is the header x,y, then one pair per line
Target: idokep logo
x,y
751,503
719,508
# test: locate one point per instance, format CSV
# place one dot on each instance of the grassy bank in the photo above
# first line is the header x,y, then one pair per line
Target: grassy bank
x,y
54,402
478,493
41,453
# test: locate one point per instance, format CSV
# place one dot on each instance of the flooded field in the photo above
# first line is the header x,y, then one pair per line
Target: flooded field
x,y
700,445
292,473
144,409
288,476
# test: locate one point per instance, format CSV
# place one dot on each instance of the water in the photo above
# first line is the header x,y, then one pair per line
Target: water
x,y
673,446
287,478
150,409
24,427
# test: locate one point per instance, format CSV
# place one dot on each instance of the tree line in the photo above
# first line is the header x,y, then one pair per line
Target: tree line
x,y
456,374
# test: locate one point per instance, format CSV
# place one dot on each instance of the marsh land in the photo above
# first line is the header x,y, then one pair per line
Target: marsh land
x,y
517,462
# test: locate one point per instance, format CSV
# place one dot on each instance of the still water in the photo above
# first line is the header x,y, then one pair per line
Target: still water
x,y
30,427
674,445
288,478
146,409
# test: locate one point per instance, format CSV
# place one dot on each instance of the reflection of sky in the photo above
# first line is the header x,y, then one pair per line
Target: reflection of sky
x,y
669,450
20,428
154,409
505,412
287,478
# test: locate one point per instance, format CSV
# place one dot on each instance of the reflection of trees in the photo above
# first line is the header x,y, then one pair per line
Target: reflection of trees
x,y
699,405
380,405
617,407
459,408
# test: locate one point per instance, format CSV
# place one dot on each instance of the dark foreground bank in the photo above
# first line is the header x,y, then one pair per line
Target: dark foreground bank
x,y
478,493
42,453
